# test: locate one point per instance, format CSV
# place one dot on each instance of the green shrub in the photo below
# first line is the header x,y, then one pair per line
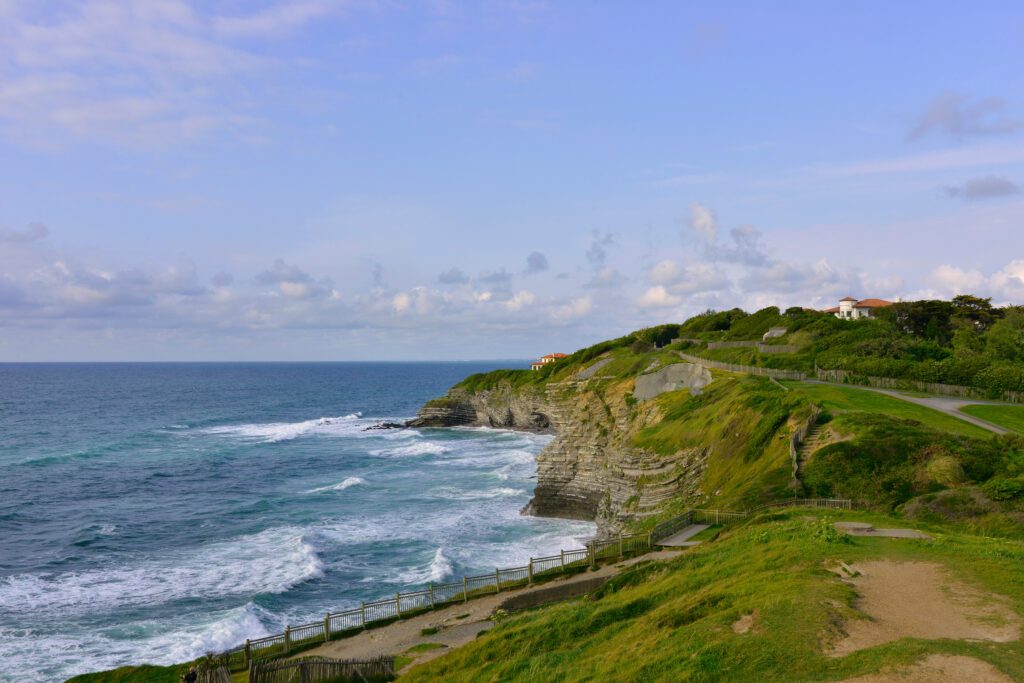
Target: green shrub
x,y
1004,488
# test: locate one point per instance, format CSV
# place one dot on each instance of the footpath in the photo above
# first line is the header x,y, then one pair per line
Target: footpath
x,y
432,634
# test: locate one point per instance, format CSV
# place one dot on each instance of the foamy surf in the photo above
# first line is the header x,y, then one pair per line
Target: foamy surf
x,y
418,448
286,431
268,562
340,486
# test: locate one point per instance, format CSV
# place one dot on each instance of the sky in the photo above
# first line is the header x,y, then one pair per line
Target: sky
x,y
388,180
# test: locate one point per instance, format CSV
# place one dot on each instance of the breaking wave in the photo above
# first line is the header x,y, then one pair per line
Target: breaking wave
x,y
341,486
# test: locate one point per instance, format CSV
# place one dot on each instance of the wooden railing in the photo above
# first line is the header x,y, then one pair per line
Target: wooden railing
x,y
317,669
407,604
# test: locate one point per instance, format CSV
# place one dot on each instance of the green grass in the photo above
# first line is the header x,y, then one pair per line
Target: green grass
x,y
145,673
709,534
1009,417
425,647
672,621
837,398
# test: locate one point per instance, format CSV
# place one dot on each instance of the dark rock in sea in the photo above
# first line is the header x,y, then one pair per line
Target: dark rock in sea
x,y
386,425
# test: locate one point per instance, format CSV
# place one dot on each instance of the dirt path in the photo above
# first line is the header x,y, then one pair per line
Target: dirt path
x,y
949,406
922,600
457,624
938,669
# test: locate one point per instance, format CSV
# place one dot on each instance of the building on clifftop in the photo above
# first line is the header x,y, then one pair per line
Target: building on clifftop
x,y
852,309
544,360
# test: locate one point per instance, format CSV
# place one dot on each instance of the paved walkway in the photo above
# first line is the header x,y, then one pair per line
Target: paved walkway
x,y
681,539
944,404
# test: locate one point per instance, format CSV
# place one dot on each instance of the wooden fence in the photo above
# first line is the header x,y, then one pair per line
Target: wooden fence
x,y
317,669
408,604
405,604
218,675
954,390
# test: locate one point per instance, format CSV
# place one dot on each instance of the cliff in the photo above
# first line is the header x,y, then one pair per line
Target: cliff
x,y
629,441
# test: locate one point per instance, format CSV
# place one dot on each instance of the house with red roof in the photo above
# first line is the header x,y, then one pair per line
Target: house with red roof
x,y
544,360
850,308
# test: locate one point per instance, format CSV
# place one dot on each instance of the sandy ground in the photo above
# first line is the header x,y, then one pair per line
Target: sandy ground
x,y
939,669
456,625
922,600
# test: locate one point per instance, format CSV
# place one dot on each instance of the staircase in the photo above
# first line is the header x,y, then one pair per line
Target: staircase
x,y
813,440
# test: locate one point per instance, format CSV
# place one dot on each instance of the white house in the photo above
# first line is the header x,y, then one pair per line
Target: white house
x,y
544,360
852,309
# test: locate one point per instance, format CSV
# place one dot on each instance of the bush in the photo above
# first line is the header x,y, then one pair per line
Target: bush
x,y
1002,488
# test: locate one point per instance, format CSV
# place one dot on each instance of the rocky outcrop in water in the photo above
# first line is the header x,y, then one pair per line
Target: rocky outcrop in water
x,y
589,471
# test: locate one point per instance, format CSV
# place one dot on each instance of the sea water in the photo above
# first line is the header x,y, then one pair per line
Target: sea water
x,y
155,512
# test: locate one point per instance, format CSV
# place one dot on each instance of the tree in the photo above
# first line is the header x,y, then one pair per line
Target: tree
x,y
1005,339
974,311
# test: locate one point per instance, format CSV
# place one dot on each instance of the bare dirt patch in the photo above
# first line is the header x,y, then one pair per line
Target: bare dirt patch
x,y
745,623
922,600
938,669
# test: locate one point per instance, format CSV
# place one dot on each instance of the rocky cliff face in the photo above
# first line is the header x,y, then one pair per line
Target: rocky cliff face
x,y
589,471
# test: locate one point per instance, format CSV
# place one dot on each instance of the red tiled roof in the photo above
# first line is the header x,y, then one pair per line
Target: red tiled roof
x,y
834,309
848,298
872,303
553,355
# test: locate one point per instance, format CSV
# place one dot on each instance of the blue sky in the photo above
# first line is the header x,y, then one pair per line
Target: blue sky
x,y
315,179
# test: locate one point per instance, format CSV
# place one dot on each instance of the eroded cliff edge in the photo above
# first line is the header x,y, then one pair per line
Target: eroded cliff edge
x,y
593,469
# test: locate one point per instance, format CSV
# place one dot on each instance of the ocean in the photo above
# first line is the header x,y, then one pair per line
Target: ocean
x,y
155,512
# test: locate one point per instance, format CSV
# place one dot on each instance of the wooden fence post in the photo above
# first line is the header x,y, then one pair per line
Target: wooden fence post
x,y
362,614
650,540
621,553
592,548
497,580
327,627
465,589
248,653
529,573
398,604
287,639
561,555
431,596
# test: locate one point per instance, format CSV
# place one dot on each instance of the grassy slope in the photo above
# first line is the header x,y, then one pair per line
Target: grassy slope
x,y
1010,417
672,621
742,420
837,398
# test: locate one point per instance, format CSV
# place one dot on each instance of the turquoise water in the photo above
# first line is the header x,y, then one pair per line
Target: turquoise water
x,y
154,512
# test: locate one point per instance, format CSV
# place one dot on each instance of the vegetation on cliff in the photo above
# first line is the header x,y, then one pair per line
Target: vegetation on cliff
x,y
757,604
965,341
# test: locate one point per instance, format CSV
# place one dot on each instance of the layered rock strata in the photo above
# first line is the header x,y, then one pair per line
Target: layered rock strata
x,y
590,470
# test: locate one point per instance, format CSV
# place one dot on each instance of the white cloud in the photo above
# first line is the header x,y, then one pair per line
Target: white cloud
x,y
658,297
702,220
573,310
664,272
520,300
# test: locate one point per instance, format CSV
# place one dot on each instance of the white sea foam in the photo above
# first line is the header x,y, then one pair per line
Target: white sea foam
x,y
39,657
417,448
341,486
439,569
274,432
452,493
268,562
